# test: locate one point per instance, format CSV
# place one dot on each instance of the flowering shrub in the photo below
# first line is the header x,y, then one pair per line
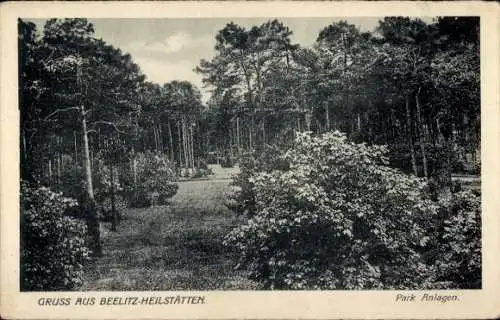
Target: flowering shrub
x,y
242,201
53,247
101,176
72,186
335,217
155,179
270,158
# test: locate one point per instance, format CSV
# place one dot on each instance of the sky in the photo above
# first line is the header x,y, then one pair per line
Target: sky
x,y
169,49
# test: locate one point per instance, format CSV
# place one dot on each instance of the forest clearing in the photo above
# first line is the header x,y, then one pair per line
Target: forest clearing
x,y
162,154
172,247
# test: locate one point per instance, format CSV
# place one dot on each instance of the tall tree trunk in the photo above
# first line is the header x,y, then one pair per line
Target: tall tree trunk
x,y
421,133
49,161
171,142
394,127
439,134
327,117
308,120
180,143
250,132
59,161
184,142
90,205
264,131
207,144
410,136
160,137
75,159
192,146
25,154
188,148
238,134
432,131
49,166
155,136
188,144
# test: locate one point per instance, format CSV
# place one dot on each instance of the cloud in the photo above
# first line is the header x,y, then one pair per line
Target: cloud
x,y
165,71
174,43
172,58
161,71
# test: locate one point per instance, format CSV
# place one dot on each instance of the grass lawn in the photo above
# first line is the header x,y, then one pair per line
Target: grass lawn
x,y
173,247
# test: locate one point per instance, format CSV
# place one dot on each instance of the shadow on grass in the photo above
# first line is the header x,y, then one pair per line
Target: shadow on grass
x,y
169,249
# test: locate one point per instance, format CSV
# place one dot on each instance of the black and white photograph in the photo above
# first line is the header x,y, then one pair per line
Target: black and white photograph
x,y
249,160
330,153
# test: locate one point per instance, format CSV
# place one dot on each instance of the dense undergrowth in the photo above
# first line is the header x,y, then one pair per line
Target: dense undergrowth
x,y
331,214
53,249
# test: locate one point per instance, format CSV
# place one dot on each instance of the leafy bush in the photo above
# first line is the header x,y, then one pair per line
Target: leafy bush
x,y
226,162
155,180
243,199
331,214
72,186
53,248
268,159
337,218
101,178
71,182
203,164
475,168
458,256
105,206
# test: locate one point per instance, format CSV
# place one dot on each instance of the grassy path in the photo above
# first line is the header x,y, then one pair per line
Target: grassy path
x,y
174,247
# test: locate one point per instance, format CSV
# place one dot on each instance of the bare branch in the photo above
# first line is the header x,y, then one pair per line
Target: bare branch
x,y
60,110
109,124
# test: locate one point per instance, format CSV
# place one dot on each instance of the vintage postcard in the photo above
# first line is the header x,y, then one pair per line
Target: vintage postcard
x,y
165,160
